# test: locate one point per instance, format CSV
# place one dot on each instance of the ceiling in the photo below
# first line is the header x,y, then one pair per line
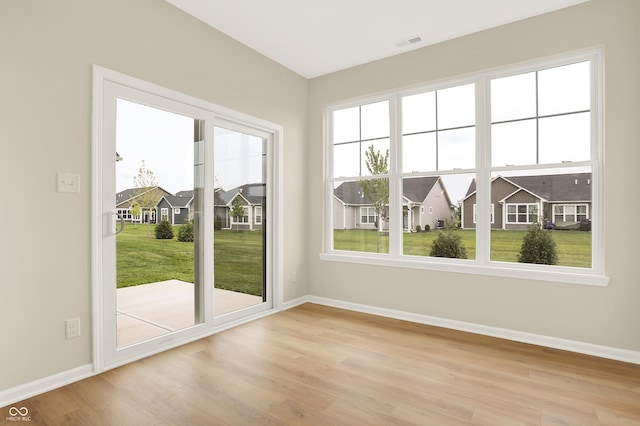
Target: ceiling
x,y
317,37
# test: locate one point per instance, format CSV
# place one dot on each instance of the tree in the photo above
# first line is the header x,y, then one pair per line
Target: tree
x,y
377,190
135,211
237,211
147,193
538,247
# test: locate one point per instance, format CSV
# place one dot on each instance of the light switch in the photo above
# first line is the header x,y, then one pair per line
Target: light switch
x,y
68,182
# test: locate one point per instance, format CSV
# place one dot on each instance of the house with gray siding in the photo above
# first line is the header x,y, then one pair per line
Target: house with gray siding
x,y
560,201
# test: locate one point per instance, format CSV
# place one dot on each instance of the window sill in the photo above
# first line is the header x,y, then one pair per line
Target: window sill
x,y
496,269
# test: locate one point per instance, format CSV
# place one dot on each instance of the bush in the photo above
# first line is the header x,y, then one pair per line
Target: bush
x,y
538,247
418,228
217,223
164,230
185,232
448,244
427,228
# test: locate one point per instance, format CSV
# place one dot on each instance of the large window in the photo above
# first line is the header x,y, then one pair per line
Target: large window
x,y
492,158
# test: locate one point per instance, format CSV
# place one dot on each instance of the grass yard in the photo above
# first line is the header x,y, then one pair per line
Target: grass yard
x,y
143,260
574,247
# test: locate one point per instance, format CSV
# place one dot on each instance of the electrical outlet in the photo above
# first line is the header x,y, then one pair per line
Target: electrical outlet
x,y
72,328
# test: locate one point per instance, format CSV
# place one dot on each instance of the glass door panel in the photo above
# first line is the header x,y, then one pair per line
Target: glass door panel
x,y
240,218
158,204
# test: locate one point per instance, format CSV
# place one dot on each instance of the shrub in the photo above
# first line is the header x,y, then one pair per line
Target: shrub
x,y
164,230
418,228
185,232
217,223
538,247
427,228
448,244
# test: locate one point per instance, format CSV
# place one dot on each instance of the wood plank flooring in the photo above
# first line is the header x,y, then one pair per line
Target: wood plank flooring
x,y
323,366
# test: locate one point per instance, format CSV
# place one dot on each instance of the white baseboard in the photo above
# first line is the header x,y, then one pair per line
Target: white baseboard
x,y
295,302
28,390
502,333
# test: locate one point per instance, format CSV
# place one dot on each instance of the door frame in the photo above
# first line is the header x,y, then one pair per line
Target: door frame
x,y
104,80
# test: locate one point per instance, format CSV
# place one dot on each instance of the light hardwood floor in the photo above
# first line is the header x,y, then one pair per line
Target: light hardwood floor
x,y
319,365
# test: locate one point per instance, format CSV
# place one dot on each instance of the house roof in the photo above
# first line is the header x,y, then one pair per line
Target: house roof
x,y
415,190
127,196
351,193
553,188
254,193
176,201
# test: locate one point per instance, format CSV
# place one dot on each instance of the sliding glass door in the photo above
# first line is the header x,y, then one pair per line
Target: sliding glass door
x,y
183,210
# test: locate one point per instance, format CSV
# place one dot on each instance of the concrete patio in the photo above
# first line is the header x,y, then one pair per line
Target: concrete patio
x,y
150,310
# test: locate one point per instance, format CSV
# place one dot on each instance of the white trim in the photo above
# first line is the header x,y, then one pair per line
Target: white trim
x,y
523,271
125,86
45,384
607,352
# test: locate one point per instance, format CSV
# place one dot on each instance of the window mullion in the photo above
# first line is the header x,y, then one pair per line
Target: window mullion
x,y
395,182
483,173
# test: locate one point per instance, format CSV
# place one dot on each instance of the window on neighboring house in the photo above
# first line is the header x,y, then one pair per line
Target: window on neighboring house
x,y
176,211
164,213
570,212
493,220
522,213
522,134
245,217
368,215
258,213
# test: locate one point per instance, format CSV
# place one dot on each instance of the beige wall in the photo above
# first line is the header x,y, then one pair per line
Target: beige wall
x,y
47,51
607,316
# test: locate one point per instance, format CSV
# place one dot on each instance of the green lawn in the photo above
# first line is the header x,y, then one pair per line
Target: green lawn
x,y
143,260
574,247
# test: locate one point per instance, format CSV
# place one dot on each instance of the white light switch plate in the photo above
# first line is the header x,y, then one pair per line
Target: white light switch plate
x,y
68,182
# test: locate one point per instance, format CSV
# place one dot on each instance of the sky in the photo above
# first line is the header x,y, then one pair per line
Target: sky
x,y
164,141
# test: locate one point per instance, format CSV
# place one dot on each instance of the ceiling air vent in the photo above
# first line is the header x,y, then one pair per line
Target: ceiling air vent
x,y
412,40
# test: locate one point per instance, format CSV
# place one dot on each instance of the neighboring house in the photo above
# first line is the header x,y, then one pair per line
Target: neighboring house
x,y
124,204
175,208
562,201
252,198
425,201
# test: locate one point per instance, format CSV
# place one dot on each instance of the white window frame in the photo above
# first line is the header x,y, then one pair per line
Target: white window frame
x,y
164,213
564,213
368,210
482,265
258,216
528,213
176,210
493,216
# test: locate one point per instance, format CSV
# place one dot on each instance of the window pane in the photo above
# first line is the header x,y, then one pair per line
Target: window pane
x,y
456,107
360,214
513,97
346,159
428,207
565,138
419,153
346,125
514,143
375,120
564,89
553,198
457,149
419,113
